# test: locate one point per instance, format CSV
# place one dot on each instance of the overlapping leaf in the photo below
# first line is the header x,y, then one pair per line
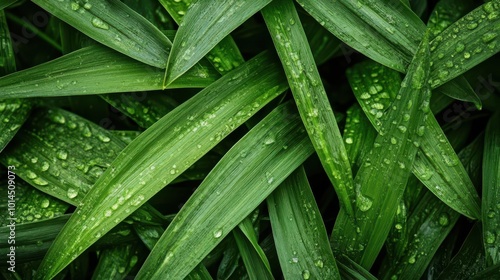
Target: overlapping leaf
x,y
392,156
173,144
95,70
299,232
115,25
436,164
204,26
310,97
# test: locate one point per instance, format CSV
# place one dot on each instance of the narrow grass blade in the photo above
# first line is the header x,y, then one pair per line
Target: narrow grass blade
x,y
459,89
99,70
32,205
167,145
359,136
363,23
436,165
62,154
491,191
205,24
469,260
115,25
247,228
429,224
350,270
199,273
322,43
299,232
115,262
490,273
254,263
13,113
310,97
224,56
376,197
466,43
6,3
442,257
7,58
267,154
144,108
33,239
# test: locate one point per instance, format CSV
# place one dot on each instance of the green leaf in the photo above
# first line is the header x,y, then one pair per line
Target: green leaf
x,y
373,28
469,260
253,257
460,89
436,165
31,205
376,197
205,24
298,230
429,224
224,56
466,43
267,154
115,25
491,191
310,97
7,58
94,70
350,270
115,262
359,136
204,119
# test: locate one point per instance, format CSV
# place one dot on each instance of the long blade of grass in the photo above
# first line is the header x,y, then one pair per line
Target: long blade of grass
x,y
376,198
32,205
429,225
436,165
466,43
115,25
267,154
360,24
224,56
99,70
167,145
256,263
299,232
491,191
310,97
469,260
205,24
359,136
13,112
350,270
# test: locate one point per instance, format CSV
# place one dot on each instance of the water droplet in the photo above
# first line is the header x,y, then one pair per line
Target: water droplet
x,y
45,203
87,6
466,55
489,237
412,260
444,219
365,95
62,154
491,214
364,203
31,175
319,263
269,140
348,140
306,274
489,37
217,233
108,213
421,130
472,25
295,260
393,140
40,182
104,138
402,128
99,23
269,177
460,47
75,6
72,193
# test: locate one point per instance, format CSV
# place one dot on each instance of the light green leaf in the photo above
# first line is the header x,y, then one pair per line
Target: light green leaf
x,y
360,24
205,24
491,190
168,145
436,162
95,70
310,97
466,43
115,25
224,56
377,198
267,154
299,231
